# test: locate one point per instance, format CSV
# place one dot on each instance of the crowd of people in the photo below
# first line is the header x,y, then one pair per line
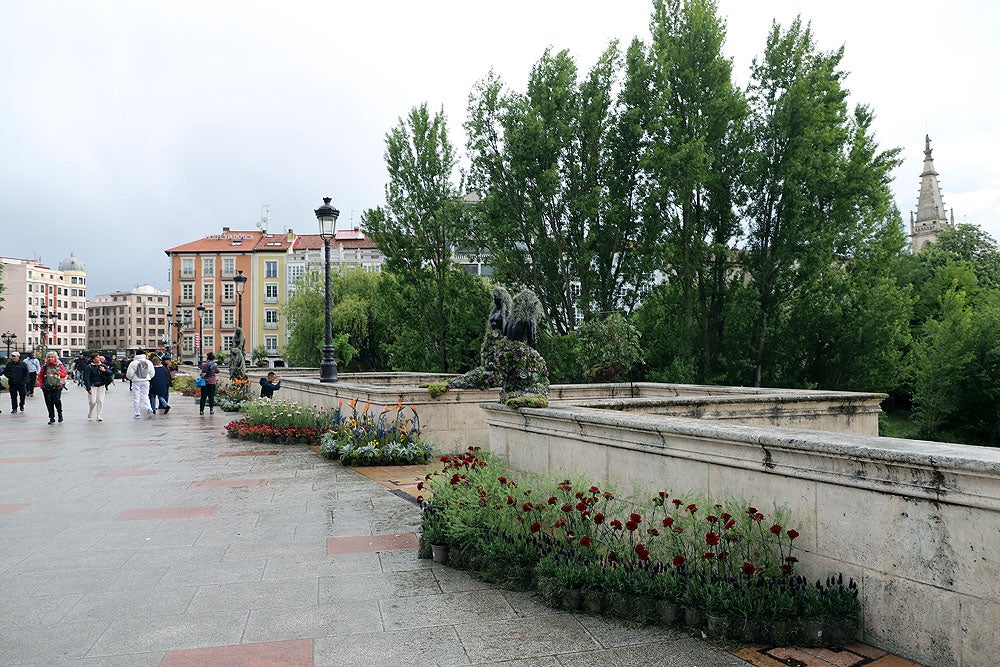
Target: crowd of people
x,y
149,381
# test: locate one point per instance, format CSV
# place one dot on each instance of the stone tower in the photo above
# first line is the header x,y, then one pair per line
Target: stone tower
x,y
930,217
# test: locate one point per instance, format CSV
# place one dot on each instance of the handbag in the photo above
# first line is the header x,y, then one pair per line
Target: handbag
x,y
199,382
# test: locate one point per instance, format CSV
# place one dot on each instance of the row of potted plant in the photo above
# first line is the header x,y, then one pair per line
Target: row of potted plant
x,y
367,437
280,422
729,568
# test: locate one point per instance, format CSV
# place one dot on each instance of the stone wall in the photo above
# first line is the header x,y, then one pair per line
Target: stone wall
x,y
916,523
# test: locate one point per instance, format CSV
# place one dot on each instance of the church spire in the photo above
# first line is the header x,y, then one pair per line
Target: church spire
x,y
931,217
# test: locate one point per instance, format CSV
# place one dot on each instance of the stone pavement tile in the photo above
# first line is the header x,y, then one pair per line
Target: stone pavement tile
x,y
892,661
425,611
685,653
612,634
525,637
109,605
113,579
7,562
256,595
281,550
36,610
865,650
136,472
817,657
26,645
244,530
397,561
269,452
141,634
755,657
170,554
70,561
455,581
317,620
836,658
151,513
202,574
28,459
273,654
400,648
227,483
376,586
155,535
10,508
338,546
545,661
16,583
337,566
152,659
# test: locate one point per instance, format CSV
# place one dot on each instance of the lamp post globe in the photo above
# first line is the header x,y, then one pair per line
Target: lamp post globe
x,y
327,216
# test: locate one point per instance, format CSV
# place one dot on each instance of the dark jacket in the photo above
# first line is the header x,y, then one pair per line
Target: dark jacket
x,y
267,388
16,372
159,384
96,376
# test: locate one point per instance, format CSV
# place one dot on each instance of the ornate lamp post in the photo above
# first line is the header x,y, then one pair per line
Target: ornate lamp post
x,y
167,337
201,341
8,338
43,325
180,323
327,216
241,285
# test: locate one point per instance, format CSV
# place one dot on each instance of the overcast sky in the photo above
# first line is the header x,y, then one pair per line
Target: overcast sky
x,y
131,126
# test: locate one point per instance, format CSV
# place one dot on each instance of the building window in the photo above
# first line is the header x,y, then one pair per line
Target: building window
x,y
271,292
270,269
295,272
187,267
228,319
208,344
208,292
227,342
228,267
207,267
271,344
228,292
208,318
271,318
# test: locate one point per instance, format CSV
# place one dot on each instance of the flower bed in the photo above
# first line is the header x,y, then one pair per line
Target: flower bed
x,y
367,438
577,545
283,422
235,395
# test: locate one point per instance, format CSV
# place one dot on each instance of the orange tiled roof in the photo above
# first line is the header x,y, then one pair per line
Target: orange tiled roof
x,y
227,241
315,242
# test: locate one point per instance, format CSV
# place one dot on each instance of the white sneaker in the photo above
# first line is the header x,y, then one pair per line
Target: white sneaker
x,y
136,416
90,414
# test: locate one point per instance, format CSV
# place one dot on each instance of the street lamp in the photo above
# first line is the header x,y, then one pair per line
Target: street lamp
x,y
8,338
241,285
201,341
43,325
167,337
180,324
327,216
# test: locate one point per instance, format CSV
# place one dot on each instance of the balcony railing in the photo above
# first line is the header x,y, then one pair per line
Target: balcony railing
x,y
270,325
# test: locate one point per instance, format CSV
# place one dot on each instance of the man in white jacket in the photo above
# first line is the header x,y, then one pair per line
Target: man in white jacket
x,y
139,372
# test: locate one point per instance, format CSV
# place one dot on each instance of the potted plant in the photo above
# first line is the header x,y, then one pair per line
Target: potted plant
x,y
840,609
433,533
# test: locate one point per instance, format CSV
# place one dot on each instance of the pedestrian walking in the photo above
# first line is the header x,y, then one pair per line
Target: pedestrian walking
x,y
269,385
96,378
209,369
34,368
139,372
52,381
79,366
17,381
159,387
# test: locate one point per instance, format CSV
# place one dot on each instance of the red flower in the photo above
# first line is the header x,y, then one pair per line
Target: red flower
x,y
631,525
711,539
585,541
669,521
727,516
594,489
748,569
567,508
712,518
792,533
581,506
787,569
642,552
708,555
730,523
608,496
535,527
616,524
692,508
510,500
677,501
559,523
776,529
526,507
723,555
635,518
791,559
502,480
420,486
678,561
758,517
751,511
552,500
654,532
599,518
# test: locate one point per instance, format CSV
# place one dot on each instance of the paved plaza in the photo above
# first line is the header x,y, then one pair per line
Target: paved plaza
x,y
160,541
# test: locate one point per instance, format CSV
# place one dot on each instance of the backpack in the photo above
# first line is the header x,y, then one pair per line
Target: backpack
x,y
142,370
52,379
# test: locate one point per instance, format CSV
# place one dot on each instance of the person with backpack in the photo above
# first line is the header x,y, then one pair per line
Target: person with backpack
x,y
17,381
51,381
139,372
159,386
209,369
95,381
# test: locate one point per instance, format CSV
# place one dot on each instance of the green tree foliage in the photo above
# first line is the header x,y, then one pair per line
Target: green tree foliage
x,y
696,156
355,311
423,218
560,169
609,348
411,337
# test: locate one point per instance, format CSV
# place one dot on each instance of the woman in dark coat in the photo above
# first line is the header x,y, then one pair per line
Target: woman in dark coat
x,y
159,386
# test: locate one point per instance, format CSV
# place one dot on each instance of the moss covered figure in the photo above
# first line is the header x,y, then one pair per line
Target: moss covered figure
x,y
486,375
